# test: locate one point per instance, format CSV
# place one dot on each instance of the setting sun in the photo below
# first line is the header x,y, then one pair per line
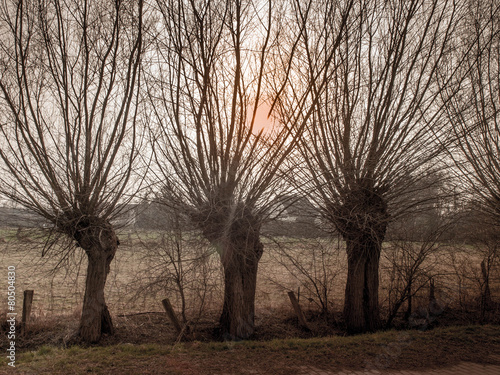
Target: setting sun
x,y
262,121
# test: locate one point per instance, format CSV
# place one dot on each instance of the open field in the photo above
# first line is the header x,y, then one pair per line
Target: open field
x,y
136,265
142,274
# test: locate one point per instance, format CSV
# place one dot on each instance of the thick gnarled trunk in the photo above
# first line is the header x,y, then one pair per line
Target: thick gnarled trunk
x,y
362,219
235,231
361,308
100,245
240,263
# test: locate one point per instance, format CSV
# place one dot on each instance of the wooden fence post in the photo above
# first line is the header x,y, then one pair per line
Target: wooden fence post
x,y
171,315
298,310
432,291
27,302
181,331
486,302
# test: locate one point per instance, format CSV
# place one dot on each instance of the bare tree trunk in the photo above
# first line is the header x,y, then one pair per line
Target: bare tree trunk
x,y
95,320
361,309
235,231
372,311
362,220
354,291
240,281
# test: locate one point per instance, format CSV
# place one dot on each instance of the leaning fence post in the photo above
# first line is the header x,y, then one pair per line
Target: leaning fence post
x,y
298,310
181,331
432,291
171,314
27,302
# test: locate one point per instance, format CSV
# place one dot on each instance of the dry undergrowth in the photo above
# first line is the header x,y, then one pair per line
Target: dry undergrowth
x,y
380,351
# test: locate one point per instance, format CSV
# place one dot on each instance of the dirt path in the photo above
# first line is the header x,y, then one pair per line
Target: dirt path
x,y
462,368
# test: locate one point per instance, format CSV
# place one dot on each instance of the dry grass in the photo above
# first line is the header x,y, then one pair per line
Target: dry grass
x,y
58,295
381,351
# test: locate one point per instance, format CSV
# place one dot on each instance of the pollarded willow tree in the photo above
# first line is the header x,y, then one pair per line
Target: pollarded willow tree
x,y
473,108
68,96
370,139
214,59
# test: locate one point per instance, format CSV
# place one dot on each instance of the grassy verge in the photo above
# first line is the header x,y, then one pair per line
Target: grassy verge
x,y
379,351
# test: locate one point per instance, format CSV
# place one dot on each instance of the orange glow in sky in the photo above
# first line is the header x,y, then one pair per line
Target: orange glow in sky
x,y
261,120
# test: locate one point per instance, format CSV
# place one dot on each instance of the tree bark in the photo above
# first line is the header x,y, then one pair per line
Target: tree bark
x,y
100,245
234,230
371,305
240,264
362,220
361,308
353,304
